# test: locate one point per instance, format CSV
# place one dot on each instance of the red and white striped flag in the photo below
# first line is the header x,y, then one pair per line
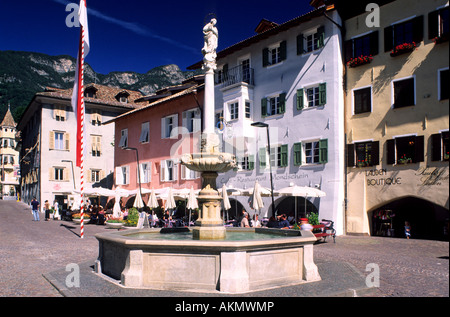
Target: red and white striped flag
x,y
78,98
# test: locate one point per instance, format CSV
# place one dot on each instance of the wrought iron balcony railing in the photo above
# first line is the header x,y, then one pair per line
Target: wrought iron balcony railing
x,y
236,75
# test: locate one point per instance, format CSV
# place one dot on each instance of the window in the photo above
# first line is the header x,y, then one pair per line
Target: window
x,y
366,45
404,92
362,154
96,143
440,147
58,173
95,176
278,156
404,150
312,96
96,117
245,69
188,174
146,172
443,84
59,141
145,132
191,120
168,125
405,32
246,163
90,92
59,113
122,175
362,101
222,74
438,25
274,54
168,171
311,41
234,111
123,138
311,152
123,97
248,110
273,105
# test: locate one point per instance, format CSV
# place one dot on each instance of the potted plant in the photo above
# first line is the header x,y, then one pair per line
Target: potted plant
x,y
313,219
132,218
76,218
404,159
441,39
358,61
403,48
114,223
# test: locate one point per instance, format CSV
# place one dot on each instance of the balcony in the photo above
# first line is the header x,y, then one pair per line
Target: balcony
x,y
234,76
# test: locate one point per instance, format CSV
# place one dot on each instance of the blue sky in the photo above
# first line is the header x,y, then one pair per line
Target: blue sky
x,y
136,35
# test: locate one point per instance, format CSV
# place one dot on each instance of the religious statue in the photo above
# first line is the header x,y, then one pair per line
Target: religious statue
x,y
211,36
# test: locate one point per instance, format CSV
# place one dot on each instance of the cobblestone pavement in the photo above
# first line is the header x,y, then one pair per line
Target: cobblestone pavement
x,y
29,249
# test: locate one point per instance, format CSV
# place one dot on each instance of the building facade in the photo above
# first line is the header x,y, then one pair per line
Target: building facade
x,y
397,120
9,157
288,76
49,128
159,133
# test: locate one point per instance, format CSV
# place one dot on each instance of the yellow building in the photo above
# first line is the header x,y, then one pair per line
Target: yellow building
x,y
397,119
9,157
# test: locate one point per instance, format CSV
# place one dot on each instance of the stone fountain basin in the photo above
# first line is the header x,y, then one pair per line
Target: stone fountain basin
x,y
208,265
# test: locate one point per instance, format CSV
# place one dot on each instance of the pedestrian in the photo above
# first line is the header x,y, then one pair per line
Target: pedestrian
x,y
244,221
47,210
284,223
56,214
407,230
255,222
35,209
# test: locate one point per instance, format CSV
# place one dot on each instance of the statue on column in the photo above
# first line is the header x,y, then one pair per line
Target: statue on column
x,y
211,36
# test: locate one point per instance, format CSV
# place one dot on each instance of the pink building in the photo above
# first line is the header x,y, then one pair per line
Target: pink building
x,y
161,131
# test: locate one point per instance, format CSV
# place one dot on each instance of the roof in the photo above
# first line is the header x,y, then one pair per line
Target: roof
x,y
104,95
267,33
190,90
8,120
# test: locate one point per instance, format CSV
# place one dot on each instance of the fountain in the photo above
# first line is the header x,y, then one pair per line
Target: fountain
x,y
208,257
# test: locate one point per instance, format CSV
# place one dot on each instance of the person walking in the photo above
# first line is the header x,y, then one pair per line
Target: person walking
x,y
47,210
35,209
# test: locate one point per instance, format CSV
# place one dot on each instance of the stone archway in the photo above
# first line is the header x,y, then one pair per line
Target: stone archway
x,y
427,219
286,205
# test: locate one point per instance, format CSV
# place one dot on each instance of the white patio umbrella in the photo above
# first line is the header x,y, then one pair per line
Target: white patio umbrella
x,y
116,209
152,201
192,202
256,200
170,201
226,200
138,202
301,191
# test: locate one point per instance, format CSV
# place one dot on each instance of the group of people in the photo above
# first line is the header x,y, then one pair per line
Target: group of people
x,y
35,204
279,222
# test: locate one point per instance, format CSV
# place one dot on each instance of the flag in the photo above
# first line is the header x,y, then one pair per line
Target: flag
x,y
78,89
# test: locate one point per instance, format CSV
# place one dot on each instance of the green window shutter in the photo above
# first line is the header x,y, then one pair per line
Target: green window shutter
x,y
263,107
284,155
283,50
322,94
321,37
297,154
300,99
262,157
282,106
323,151
251,162
300,43
265,57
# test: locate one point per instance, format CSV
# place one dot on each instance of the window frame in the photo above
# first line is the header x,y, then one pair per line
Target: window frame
x,y
144,137
393,82
354,112
123,143
440,90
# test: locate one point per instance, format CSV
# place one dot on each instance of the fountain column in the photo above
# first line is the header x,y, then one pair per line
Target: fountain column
x,y
209,162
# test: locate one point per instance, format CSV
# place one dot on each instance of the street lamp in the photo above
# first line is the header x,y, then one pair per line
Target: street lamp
x,y
73,174
265,125
139,169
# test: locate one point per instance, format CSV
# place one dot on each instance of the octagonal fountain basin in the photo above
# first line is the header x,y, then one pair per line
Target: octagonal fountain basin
x,y
249,259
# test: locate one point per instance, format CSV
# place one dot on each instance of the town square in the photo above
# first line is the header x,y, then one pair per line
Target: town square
x,y
306,159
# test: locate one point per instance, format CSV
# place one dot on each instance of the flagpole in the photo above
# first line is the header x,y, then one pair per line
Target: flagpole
x,y
82,112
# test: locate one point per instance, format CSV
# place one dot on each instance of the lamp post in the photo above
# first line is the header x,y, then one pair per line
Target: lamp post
x,y
265,125
73,174
139,169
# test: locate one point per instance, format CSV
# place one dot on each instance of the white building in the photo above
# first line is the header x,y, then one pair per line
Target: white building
x,y
289,76
49,130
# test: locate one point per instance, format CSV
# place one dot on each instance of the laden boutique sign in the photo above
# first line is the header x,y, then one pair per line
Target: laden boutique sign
x,y
424,176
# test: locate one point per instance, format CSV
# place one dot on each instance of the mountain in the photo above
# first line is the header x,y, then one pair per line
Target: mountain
x,y
22,74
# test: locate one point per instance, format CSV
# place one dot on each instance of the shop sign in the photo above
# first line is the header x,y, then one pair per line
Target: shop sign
x,y
432,176
381,181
